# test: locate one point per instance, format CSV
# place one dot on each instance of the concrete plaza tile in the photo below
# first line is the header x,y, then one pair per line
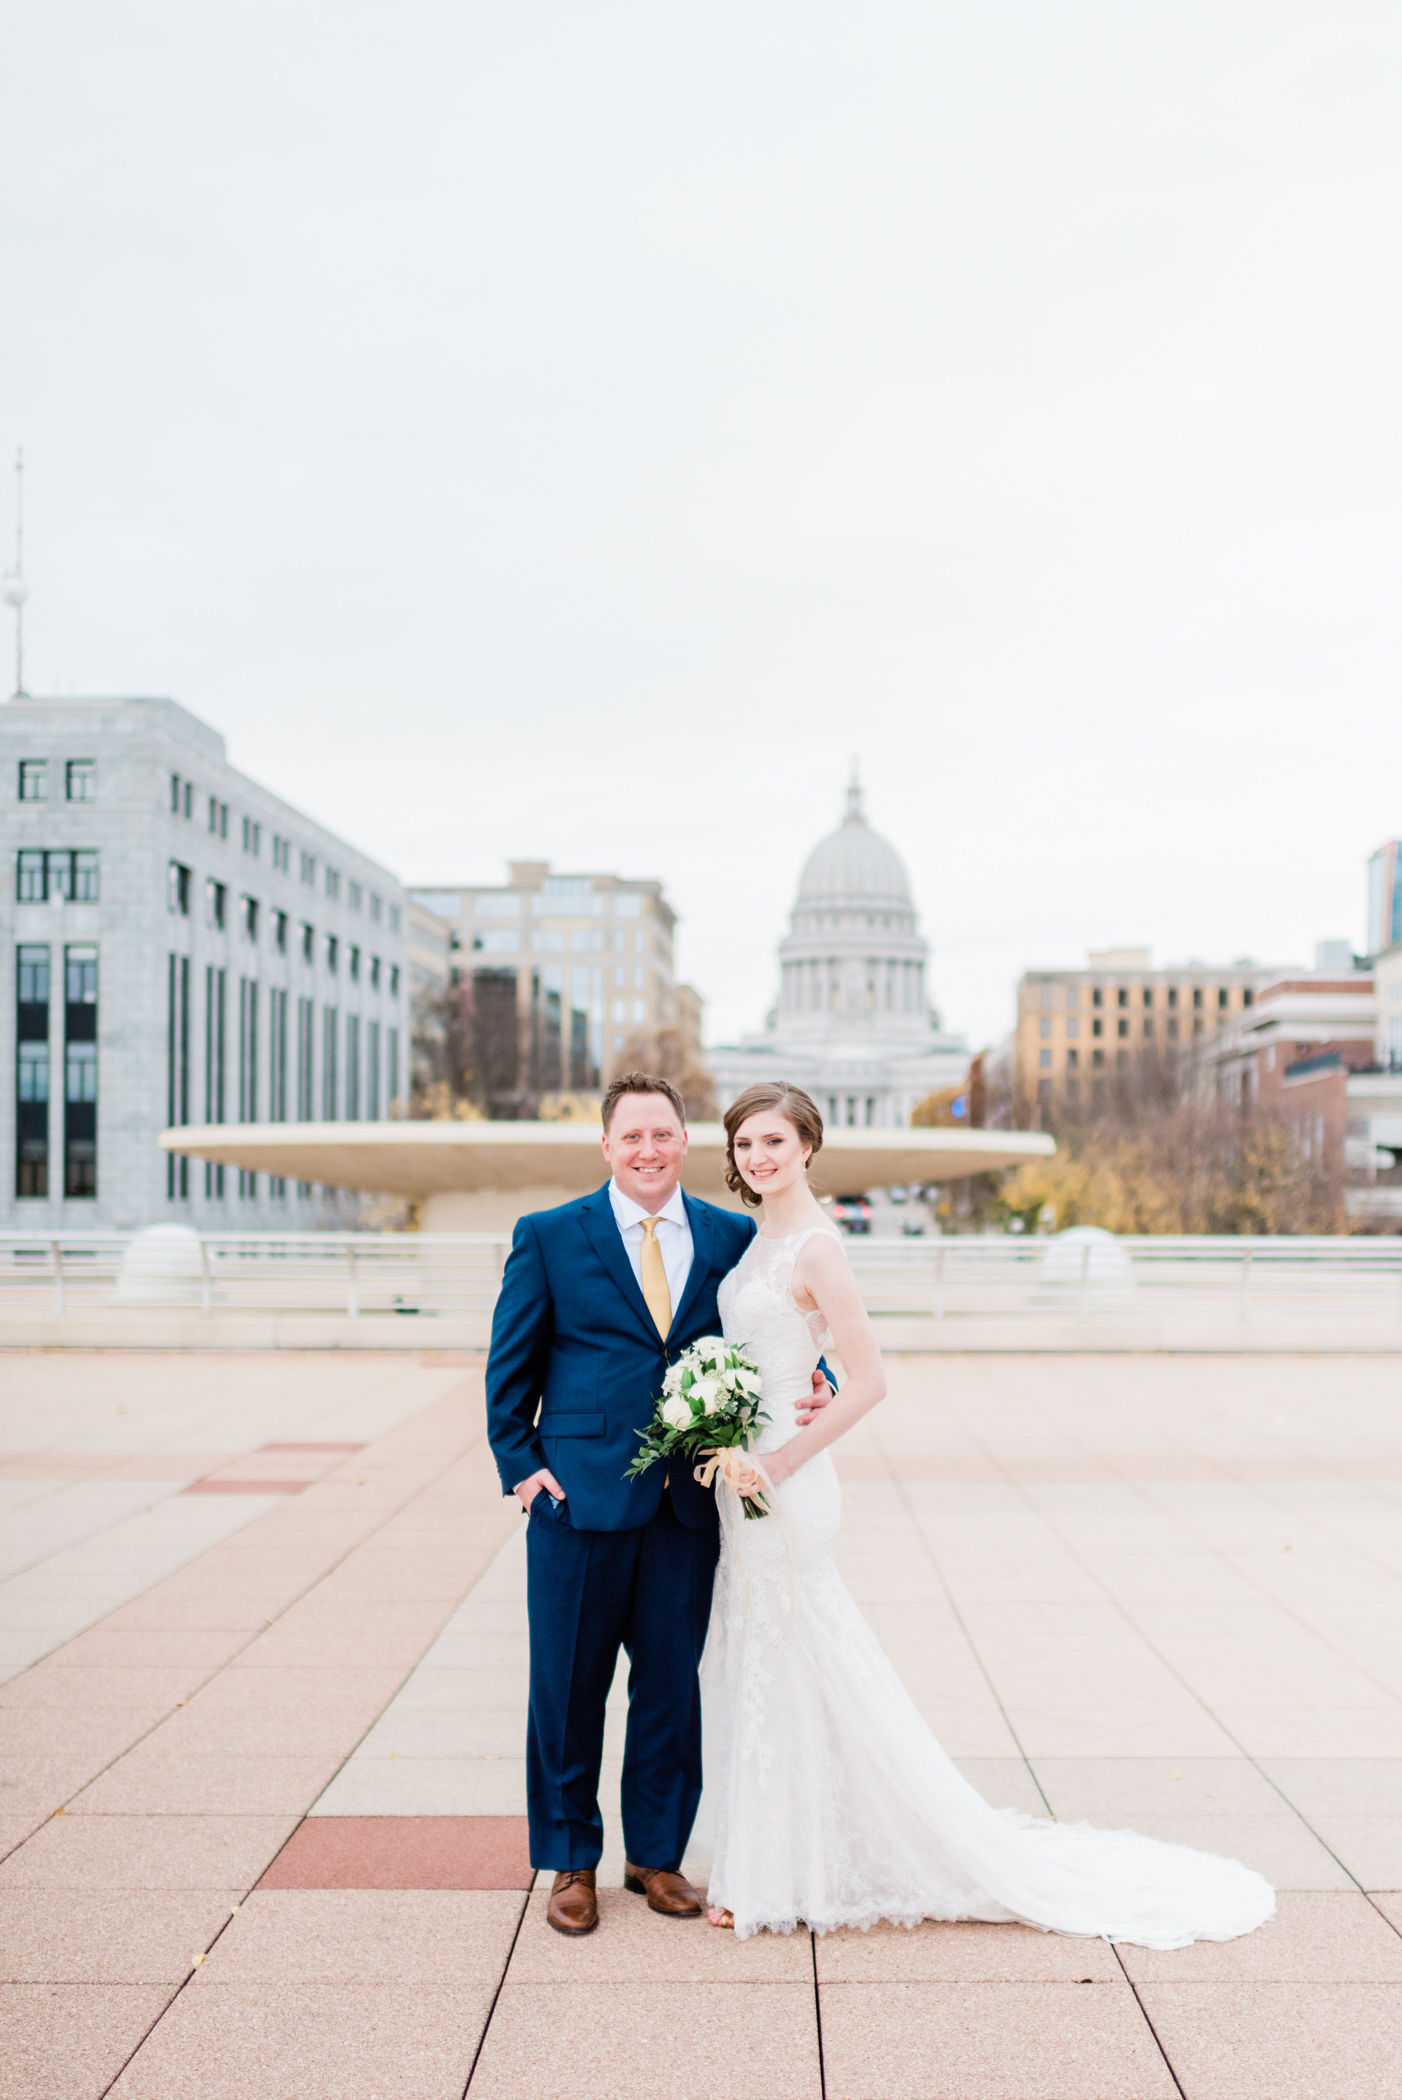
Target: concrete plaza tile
x,y
1018,2041
632,2041
457,1731
1280,2041
327,1732
56,1684
1315,1937
330,1648
1004,1782
1109,1732
404,1852
311,2042
1296,1732
439,1937
107,1935
1369,1846
155,1781
68,2041
298,1689
426,1786
43,1781
1094,1789
967,1953
1339,1786
147,1852
632,1942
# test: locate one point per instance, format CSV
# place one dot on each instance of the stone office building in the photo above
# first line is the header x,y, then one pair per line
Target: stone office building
x,y
183,947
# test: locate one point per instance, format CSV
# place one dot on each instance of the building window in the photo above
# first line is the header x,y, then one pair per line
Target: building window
x,y
175,794
1046,995
627,904
1148,1026
392,1066
1073,1026
353,895
639,1012
216,903
252,836
1248,996
214,1017
306,1050
32,1070
280,932
178,880
333,953
1044,1060
80,1072
1073,1058
333,883
1044,1028
1173,995
353,964
1097,1026
329,1020
248,1060
34,780
1197,995
1122,1028
308,942
71,875
374,973
282,854
1122,996
352,1068
248,918
1222,995
1197,1024
308,867
1148,995
81,779
375,909
372,1071
277,1056
1097,997
395,916
1097,1058
1173,1027
394,980
177,1066
620,1009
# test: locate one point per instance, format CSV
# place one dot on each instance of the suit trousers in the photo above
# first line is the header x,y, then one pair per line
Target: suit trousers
x,y
647,1591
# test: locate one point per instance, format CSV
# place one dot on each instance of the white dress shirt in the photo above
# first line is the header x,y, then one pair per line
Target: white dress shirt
x,y
673,1237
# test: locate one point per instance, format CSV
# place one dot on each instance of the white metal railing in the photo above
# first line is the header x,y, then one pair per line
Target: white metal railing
x,y
370,1275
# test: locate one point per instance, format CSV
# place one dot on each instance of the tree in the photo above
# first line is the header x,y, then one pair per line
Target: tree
x,y
669,1054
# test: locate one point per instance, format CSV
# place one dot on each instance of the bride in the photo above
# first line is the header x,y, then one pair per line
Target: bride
x,y
827,1800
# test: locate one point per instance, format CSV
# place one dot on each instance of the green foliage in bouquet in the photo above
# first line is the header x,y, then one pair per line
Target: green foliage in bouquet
x,y
709,1405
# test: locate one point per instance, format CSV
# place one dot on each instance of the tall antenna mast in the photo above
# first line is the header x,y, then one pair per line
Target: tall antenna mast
x,y
14,589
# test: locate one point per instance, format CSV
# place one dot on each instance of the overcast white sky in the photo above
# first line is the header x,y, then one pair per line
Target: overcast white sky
x,y
570,430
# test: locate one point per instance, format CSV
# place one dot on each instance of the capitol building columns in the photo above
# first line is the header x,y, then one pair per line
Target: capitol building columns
x,y
853,1023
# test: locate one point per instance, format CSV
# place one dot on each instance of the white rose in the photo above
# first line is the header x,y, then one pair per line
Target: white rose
x,y
707,1391
676,1413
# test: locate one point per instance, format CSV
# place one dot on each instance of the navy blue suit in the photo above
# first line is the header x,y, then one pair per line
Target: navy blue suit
x,y
618,1562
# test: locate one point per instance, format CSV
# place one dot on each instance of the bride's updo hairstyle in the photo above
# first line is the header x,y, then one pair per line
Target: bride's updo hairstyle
x,y
793,1105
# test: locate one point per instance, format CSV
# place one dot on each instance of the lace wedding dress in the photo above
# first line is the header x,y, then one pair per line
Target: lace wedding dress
x,y
827,1799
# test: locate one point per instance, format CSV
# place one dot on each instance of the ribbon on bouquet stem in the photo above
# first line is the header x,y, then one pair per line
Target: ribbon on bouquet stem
x,y
732,1463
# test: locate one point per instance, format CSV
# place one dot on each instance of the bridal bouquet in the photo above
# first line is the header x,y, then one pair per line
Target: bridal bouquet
x,y
709,1410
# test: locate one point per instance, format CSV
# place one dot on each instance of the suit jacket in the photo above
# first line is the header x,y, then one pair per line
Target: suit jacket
x,y
572,1335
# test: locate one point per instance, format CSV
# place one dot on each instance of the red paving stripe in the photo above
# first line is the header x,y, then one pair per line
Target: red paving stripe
x,y
247,1487
311,1447
404,1852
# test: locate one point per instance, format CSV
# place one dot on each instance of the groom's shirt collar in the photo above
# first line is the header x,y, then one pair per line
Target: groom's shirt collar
x,y
629,1213
673,1237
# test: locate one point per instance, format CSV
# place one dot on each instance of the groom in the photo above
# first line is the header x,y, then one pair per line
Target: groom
x,y
598,1298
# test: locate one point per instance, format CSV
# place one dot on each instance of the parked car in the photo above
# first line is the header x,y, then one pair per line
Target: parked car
x,y
913,1227
852,1213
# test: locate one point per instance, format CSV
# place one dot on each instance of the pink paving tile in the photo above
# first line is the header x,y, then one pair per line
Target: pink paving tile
x,y
244,1487
323,1730
1009,2041
98,1733
1280,2041
146,1852
107,1935
1333,1936
404,1852
438,1937
291,1689
41,1782
55,1684
632,2041
310,2042
332,1648
153,1780
68,2041
122,1648
331,1448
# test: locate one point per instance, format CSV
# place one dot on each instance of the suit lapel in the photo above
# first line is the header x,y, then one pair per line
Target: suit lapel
x,y
597,1218
703,1242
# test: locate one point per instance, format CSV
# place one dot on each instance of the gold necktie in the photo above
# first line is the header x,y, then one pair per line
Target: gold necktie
x,y
656,1295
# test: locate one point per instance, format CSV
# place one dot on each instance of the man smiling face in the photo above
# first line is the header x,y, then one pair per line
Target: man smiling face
x,y
645,1144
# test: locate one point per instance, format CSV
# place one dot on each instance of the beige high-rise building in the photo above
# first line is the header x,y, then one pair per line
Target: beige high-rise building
x,y
1076,1026
563,970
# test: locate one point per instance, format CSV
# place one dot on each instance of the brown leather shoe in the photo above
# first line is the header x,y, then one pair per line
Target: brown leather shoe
x,y
573,1905
670,1895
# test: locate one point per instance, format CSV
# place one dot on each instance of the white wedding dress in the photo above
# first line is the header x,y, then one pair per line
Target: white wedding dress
x,y
827,1800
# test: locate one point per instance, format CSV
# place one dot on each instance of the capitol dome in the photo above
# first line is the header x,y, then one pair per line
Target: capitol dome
x,y
854,867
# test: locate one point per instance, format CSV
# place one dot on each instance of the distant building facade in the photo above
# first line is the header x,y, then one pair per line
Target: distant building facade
x,y
563,972
1075,1027
183,947
853,1024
